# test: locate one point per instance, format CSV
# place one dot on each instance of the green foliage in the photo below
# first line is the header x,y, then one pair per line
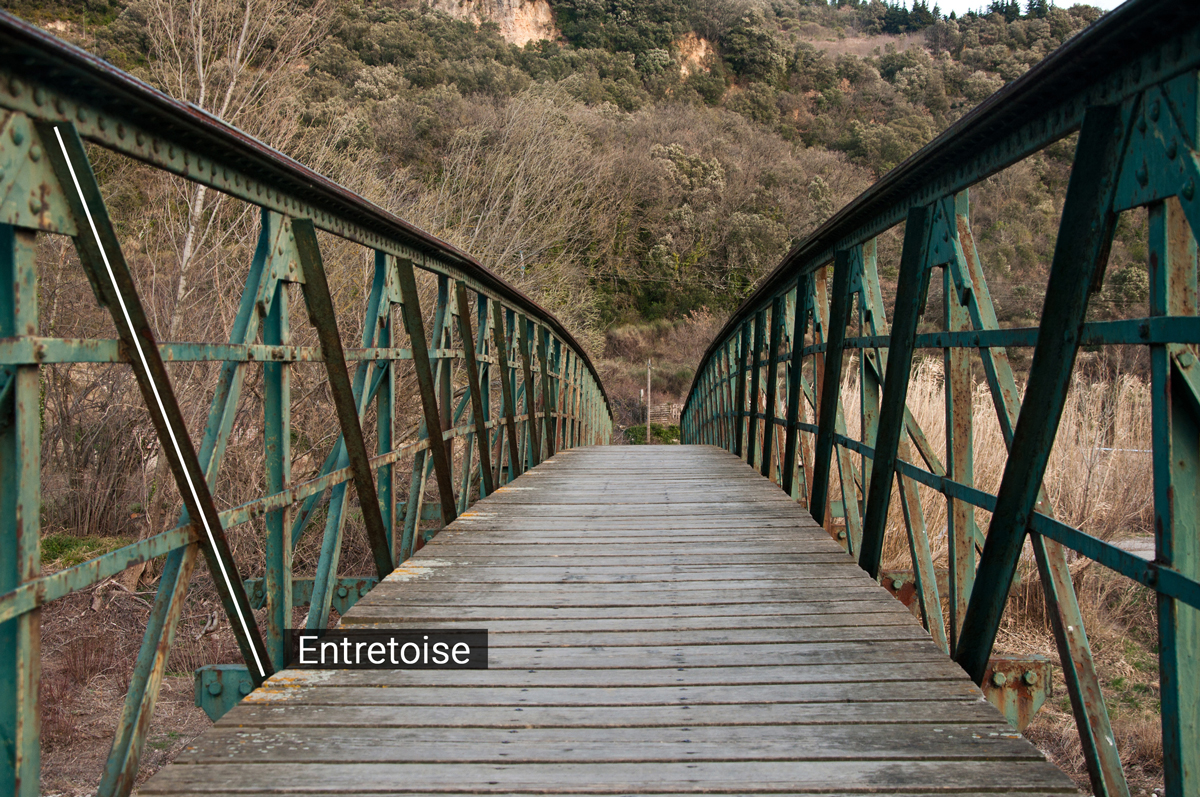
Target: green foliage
x,y
660,435
64,550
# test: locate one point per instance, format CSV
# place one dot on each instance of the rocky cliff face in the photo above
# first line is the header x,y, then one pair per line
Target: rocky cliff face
x,y
520,21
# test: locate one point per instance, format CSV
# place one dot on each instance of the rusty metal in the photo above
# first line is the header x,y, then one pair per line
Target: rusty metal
x,y
1018,686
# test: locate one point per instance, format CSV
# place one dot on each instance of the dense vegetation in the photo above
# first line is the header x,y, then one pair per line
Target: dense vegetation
x,y
658,158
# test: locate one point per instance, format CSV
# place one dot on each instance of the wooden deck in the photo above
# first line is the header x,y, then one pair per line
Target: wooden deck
x,y
663,620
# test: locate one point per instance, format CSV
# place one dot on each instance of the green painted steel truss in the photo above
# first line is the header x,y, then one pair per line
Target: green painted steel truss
x,y
487,339
1129,86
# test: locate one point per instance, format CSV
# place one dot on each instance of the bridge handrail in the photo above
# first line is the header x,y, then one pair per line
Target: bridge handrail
x,y
531,388
1129,85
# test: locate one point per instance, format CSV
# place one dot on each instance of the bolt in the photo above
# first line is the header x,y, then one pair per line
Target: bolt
x,y
1030,677
140,138
897,584
81,114
999,679
1154,111
35,205
39,96
1172,149
1189,190
1142,175
16,87
1187,359
18,135
101,122
214,688
343,592
841,535
245,687
35,153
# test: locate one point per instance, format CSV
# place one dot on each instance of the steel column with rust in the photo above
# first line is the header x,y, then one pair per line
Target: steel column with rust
x,y
839,307
910,300
1176,418
768,445
20,501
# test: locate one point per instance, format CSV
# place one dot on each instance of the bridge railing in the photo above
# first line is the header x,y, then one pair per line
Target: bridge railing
x,y
768,387
525,387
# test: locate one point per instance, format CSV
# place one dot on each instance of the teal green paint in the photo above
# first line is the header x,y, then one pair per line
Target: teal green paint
x,y
20,502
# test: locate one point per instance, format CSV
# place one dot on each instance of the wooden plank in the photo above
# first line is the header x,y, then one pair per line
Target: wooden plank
x,y
600,778
661,620
613,745
736,714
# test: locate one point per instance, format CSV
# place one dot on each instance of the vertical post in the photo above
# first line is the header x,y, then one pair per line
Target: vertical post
x,y
739,405
415,328
1176,432
959,459
835,336
547,425
473,387
385,402
772,380
910,298
755,373
500,343
20,509
277,410
531,423
795,382
649,440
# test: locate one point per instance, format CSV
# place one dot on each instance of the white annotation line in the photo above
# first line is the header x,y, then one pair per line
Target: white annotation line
x,y
162,411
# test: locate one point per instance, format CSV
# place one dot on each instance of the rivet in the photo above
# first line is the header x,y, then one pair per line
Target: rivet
x,y
81,114
35,153
171,153
343,592
1142,175
1030,677
140,138
1154,111
39,96
841,535
214,688
1187,359
1189,190
897,584
15,87
18,135
245,687
60,106
101,122
35,205
999,679
1172,149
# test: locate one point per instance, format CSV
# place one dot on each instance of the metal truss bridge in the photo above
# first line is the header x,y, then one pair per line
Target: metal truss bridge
x,y
706,618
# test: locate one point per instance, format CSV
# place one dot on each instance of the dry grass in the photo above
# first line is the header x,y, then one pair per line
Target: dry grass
x,y
1100,480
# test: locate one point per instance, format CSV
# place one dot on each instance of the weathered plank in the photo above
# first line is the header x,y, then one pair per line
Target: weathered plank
x,y
662,619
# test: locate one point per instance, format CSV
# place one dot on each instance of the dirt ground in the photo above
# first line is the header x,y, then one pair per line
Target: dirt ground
x,y
89,643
